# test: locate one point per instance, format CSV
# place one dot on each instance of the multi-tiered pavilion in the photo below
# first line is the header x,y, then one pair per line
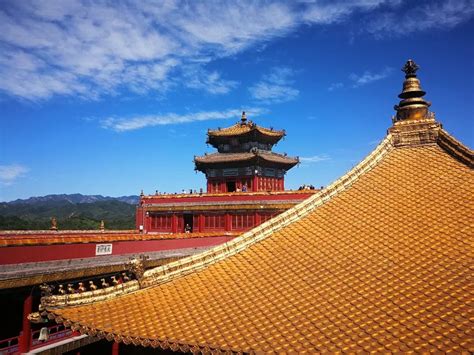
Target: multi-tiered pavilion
x,y
244,160
245,185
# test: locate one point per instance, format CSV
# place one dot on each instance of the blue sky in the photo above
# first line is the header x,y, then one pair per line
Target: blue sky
x,y
111,99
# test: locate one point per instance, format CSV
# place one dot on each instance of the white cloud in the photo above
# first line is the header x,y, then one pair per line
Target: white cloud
x,y
432,15
314,159
10,173
275,87
337,10
92,48
89,49
368,77
231,27
138,122
196,77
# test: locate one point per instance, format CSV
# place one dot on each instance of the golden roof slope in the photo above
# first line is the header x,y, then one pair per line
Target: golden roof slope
x,y
378,261
242,128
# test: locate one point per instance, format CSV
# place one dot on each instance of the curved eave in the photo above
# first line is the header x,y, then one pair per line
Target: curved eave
x,y
210,161
216,137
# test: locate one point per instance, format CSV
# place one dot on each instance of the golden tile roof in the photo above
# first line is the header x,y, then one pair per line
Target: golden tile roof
x,y
242,128
378,261
17,238
217,158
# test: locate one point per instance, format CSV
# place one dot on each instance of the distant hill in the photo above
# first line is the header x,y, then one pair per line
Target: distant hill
x,y
76,198
74,211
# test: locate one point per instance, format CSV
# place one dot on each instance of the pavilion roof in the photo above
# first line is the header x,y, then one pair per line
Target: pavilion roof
x,y
378,261
243,128
256,155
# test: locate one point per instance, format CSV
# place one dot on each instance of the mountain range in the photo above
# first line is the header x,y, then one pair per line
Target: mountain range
x,y
75,198
72,211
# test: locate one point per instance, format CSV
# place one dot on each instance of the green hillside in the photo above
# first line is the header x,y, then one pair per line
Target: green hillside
x,y
22,216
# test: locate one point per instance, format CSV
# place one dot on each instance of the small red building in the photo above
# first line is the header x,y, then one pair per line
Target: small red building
x,y
245,186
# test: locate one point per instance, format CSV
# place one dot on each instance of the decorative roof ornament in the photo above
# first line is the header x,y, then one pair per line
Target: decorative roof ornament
x,y
412,106
102,225
46,290
410,68
244,118
137,267
54,224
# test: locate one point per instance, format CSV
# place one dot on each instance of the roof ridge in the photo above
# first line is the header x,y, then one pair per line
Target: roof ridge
x,y
456,148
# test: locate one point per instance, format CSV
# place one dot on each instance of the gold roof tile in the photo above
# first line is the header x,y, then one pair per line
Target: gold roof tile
x,y
377,262
241,128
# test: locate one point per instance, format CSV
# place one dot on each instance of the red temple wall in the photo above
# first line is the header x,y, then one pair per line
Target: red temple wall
x,y
37,253
208,222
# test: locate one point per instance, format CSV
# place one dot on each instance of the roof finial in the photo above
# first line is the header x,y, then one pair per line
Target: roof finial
x,y
244,117
54,224
410,69
412,105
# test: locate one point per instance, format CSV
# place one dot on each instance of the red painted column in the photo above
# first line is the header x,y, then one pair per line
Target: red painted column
x,y
255,183
201,223
258,220
282,184
25,337
115,348
228,222
174,223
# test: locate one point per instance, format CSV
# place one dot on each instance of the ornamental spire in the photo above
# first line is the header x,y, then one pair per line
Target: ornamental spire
x,y
412,105
244,118
410,69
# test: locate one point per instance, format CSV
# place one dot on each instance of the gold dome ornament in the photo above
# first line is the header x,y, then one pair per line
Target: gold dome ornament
x,y
412,106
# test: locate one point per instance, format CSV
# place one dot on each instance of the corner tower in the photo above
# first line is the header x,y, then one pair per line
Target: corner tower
x,y
244,159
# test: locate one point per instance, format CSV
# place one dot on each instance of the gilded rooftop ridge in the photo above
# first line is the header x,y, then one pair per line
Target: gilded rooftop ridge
x,y
379,261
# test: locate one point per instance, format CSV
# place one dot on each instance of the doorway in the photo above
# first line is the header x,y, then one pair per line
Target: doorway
x,y
188,222
230,186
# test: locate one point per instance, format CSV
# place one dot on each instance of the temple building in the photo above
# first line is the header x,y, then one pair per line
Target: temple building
x,y
244,160
245,186
378,261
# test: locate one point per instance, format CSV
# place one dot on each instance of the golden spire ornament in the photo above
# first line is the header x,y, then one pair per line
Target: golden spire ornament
x,y
412,106
244,118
